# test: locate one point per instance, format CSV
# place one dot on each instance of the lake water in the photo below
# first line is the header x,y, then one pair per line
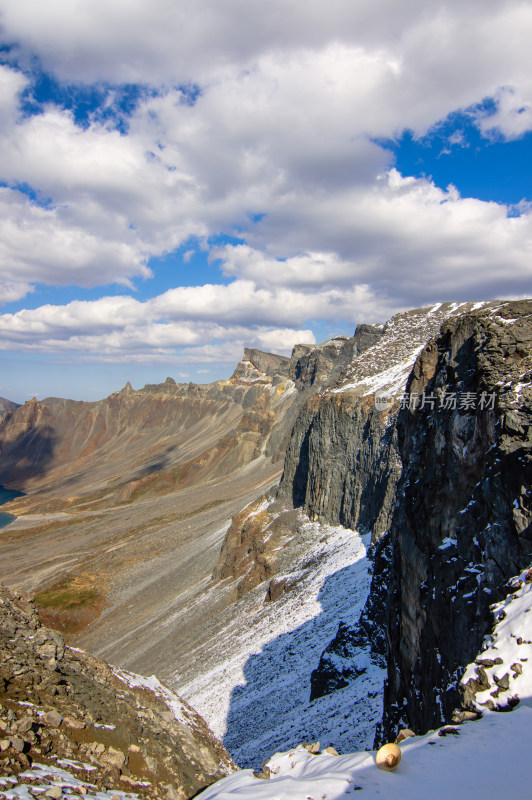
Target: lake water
x,y
5,496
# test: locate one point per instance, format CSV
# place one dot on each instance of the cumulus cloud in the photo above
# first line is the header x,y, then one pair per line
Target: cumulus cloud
x,y
278,147
184,318
42,245
409,240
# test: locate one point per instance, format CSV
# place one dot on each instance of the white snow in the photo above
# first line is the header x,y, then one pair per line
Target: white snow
x,y
392,380
43,776
173,702
447,542
488,760
386,365
514,626
253,686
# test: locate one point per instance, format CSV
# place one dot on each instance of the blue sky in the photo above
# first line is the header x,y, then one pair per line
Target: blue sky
x,y
181,181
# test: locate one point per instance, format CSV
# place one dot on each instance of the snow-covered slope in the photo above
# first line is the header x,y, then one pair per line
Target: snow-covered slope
x,y
252,682
488,759
501,676
385,367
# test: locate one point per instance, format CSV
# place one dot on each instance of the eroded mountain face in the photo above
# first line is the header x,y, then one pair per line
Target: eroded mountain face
x,y
116,486
137,444
342,461
445,480
107,729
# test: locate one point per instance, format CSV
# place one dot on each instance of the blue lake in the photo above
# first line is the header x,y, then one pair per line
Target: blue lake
x,y
5,496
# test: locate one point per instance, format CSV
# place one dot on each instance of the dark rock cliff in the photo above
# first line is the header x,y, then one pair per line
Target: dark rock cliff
x,y
342,463
462,525
459,520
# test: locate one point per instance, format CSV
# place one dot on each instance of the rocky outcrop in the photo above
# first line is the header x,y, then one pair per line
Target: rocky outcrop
x,y
312,364
256,364
322,364
252,547
462,526
107,729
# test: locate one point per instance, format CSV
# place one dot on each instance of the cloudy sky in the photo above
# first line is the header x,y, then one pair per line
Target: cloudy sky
x,y
182,178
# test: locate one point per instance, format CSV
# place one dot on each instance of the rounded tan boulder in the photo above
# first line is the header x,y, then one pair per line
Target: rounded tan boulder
x,y
388,757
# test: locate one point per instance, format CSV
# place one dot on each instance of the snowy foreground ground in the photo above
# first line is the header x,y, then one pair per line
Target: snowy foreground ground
x,y
489,759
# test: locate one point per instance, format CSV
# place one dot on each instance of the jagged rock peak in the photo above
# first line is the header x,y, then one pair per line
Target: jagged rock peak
x,y
311,364
105,728
336,343
128,389
257,364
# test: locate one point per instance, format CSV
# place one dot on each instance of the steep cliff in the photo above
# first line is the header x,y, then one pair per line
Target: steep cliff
x,y
462,526
459,522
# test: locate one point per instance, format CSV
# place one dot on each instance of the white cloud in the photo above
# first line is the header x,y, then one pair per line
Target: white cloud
x,y
292,96
513,115
42,244
186,319
406,239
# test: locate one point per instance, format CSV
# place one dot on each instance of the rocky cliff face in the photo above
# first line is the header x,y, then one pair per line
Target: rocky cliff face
x,y
462,526
342,462
68,720
459,520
